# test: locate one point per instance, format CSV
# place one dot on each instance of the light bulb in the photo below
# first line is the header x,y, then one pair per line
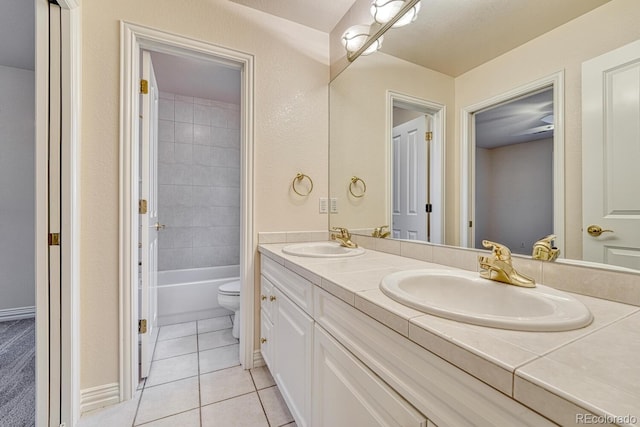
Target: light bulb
x,y
384,10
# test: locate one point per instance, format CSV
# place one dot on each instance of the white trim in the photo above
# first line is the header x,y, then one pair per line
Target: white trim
x,y
99,397
439,112
467,149
18,313
133,39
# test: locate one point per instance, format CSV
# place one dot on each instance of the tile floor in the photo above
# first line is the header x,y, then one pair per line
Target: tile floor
x,y
196,381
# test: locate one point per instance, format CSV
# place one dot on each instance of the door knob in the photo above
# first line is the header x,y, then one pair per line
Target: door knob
x,y
159,226
596,230
272,298
263,340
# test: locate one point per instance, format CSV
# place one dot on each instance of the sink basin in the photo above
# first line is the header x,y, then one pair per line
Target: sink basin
x,y
321,250
466,297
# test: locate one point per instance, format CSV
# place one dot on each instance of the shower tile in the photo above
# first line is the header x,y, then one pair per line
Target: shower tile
x,y
224,156
178,330
167,399
225,196
202,155
166,95
172,369
225,216
200,175
232,117
201,134
217,117
173,259
204,256
166,109
219,358
183,111
222,137
176,347
166,152
184,153
216,339
241,411
225,177
201,114
202,101
175,195
183,98
166,130
225,384
214,324
184,132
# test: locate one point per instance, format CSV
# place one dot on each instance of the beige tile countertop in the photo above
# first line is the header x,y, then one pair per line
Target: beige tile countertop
x,y
592,372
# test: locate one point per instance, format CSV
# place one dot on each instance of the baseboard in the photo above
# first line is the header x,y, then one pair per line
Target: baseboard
x,y
99,397
8,314
258,360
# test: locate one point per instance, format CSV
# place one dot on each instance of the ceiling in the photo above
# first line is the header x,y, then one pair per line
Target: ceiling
x,y
17,34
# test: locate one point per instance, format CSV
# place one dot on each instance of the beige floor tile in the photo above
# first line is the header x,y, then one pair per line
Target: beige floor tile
x,y
216,339
178,330
225,384
214,324
242,411
219,358
175,368
275,407
262,377
176,347
185,419
168,399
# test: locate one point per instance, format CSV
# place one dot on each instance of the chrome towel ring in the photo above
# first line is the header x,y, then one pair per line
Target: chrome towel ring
x,y
353,184
299,177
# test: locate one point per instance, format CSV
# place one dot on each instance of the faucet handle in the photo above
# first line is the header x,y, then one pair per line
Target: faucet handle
x,y
500,252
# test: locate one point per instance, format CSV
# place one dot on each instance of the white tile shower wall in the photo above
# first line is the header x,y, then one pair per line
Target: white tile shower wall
x,y
199,182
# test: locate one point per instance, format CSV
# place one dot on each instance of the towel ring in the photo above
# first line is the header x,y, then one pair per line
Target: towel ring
x,y
354,181
299,177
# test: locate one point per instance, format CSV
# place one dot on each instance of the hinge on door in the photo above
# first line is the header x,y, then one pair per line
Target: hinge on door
x,y
428,208
144,86
470,224
142,206
54,239
142,326
428,136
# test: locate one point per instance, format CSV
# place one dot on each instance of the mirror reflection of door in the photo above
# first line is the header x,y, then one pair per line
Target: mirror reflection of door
x,y
514,172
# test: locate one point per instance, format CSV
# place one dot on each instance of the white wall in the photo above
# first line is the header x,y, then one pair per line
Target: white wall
x,y
290,133
17,188
514,194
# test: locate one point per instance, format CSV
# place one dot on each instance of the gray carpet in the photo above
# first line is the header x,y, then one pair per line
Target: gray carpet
x,y
17,373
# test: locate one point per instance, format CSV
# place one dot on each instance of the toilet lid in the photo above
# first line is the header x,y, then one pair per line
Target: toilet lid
x,y
230,288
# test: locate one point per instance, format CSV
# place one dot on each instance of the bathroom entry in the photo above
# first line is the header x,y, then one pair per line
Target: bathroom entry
x,y
417,206
514,171
190,190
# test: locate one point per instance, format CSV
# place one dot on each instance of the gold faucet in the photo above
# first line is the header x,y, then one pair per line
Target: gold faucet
x,y
544,250
380,233
499,267
344,237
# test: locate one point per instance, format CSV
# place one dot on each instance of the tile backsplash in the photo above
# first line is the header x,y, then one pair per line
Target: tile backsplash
x,y
199,182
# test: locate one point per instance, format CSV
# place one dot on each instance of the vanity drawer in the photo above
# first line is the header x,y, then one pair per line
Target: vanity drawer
x,y
296,287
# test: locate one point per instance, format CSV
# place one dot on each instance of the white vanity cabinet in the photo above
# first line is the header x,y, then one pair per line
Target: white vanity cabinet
x,y
346,393
287,335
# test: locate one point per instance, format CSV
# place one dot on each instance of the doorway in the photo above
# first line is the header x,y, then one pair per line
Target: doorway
x,y
494,157
188,111
416,169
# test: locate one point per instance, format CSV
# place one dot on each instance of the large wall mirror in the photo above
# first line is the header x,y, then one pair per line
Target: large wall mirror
x,y
413,129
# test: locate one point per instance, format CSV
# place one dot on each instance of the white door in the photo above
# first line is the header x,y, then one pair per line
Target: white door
x,y
611,157
410,180
149,220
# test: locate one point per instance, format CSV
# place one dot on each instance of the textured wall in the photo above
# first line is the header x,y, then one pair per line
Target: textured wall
x,y
290,133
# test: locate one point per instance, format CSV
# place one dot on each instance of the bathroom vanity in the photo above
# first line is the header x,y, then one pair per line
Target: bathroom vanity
x,y
344,354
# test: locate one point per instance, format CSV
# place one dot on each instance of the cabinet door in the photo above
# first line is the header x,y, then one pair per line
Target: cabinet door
x,y
348,394
293,330
267,341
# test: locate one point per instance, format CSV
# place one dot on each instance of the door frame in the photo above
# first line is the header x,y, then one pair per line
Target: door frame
x,y
134,38
468,147
66,350
438,111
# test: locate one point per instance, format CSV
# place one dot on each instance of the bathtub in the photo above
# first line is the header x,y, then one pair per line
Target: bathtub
x,y
192,294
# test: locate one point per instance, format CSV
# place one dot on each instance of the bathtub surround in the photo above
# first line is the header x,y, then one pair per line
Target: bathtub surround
x,y
199,182
17,194
17,373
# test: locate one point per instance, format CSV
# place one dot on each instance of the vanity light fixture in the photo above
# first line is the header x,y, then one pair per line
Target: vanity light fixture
x,y
356,36
384,10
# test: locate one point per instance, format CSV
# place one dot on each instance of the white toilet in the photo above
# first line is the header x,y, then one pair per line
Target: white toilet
x,y
229,298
